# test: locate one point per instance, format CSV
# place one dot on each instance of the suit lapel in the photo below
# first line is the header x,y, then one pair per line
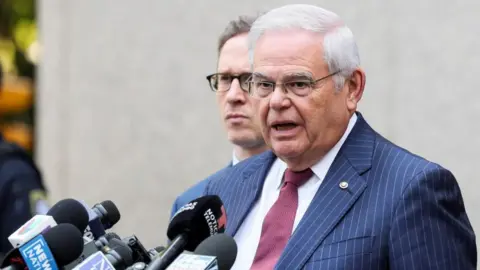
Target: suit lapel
x,y
244,192
334,198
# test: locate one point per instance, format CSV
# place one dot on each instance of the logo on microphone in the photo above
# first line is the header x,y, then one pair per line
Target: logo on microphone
x,y
97,261
37,255
32,223
188,206
215,225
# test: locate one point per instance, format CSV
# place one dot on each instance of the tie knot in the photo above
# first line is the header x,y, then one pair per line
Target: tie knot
x,y
298,178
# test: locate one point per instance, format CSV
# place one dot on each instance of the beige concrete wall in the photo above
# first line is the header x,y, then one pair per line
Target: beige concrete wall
x,y
125,112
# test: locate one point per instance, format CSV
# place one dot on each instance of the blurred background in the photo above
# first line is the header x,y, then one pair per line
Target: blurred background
x,y
19,52
111,96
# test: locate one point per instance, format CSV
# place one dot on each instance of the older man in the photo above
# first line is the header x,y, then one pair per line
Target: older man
x,y
332,193
235,104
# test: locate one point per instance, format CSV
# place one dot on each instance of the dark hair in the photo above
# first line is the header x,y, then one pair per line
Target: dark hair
x,y
236,27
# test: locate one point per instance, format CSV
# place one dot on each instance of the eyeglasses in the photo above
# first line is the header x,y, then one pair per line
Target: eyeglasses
x,y
299,85
221,82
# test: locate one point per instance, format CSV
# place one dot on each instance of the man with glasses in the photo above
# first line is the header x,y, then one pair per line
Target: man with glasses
x,y
332,193
230,84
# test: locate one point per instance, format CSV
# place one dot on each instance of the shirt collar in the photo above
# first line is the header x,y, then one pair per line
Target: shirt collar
x,y
321,168
234,159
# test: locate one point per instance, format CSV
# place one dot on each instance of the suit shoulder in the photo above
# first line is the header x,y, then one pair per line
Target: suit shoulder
x,y
233,173
192,193
402,164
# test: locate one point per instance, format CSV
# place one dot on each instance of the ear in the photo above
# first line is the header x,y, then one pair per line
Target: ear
x,y
355,85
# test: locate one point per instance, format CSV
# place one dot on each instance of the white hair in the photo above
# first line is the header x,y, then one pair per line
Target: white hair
x,y
340,48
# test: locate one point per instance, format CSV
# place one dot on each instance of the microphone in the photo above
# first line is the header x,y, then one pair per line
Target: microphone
x,y
115,256
192,224
64,211
216,252
103,240
154,252
70,211
140,253
95,228
118,254
52,250
104,244
35,226
221,246
102,216
108,213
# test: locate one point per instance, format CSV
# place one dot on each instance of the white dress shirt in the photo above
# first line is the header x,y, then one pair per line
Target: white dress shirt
x,y
248,234
234,159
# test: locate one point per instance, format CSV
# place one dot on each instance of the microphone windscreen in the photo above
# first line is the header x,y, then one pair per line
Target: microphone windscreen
x,y
70,211
111,235
222,246
123,251
198,219
113,215
65,242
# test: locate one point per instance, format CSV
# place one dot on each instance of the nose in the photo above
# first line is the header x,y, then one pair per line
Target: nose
x,y
235,94
279,99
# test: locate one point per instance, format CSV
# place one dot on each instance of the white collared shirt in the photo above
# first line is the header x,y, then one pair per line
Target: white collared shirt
x,y
234,159
248,234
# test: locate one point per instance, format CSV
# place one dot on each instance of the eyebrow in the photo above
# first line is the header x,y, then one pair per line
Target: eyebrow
x,y
298,75
261,76
287,77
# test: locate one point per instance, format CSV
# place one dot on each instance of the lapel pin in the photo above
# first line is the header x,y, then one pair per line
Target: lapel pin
x,y
343,185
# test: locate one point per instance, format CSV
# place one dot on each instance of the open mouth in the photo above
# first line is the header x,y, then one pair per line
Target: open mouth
x,y
284,126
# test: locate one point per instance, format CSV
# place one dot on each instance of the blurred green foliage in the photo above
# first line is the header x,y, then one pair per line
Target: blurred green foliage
x,y
18,56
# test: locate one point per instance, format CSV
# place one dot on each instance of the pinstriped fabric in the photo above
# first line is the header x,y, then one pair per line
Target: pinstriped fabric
x,y
399,210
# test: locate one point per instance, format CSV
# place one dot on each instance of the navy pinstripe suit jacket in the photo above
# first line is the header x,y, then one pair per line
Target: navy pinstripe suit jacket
x,y
399,211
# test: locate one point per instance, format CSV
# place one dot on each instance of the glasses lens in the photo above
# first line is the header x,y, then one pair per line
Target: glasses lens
x,y
213,80
244,81
223,82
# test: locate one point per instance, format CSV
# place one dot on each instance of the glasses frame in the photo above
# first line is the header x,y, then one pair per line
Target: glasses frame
x,y
233,77
312,84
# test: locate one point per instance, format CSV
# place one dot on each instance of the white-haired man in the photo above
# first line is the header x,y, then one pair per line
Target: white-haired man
x,y
332,193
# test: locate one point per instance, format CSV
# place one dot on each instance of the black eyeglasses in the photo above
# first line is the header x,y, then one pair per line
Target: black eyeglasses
x,y
221,82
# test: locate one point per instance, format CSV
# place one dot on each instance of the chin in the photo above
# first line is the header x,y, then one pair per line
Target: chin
x,y
287,149
244,139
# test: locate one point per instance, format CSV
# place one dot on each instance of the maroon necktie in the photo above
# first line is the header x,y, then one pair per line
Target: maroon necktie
x,y
278,223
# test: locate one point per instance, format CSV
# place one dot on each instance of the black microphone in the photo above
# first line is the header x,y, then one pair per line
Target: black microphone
x,y
70,211
221,246
118,254
192,224
105,239
140,253
60,245
91,247
108,213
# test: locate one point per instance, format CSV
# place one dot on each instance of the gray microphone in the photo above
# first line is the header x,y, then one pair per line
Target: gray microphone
x,y
221,246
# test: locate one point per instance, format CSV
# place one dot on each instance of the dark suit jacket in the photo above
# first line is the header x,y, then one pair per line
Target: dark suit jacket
x,y
399,210
191,193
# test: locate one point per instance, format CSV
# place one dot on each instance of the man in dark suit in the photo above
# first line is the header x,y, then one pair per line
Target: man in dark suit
x,y
332,193
236,106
